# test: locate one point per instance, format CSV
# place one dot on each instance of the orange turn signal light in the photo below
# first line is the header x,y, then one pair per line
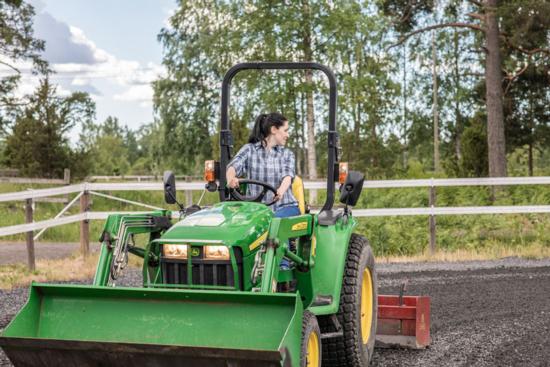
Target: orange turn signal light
x,y
342,172
209,171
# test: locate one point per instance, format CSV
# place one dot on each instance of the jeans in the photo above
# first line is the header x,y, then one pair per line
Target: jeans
x,y
286,211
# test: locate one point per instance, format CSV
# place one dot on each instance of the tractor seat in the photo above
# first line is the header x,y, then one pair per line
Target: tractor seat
x,y
299,194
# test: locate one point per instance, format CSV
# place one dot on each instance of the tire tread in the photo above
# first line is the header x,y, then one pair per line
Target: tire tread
x,y
345,351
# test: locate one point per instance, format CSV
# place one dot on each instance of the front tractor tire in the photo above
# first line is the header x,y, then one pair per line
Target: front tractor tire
x,y
357,313
311,341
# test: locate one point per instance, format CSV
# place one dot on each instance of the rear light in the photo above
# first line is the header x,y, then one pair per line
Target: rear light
x,y
342,172
209,171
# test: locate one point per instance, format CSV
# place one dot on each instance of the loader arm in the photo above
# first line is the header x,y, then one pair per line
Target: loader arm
x,y
115,243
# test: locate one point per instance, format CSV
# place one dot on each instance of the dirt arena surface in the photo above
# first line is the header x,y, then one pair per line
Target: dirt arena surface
x,y
496,316
486,313
16,252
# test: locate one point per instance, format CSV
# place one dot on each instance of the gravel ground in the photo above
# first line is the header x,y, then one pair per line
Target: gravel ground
x,y
481,315
484,313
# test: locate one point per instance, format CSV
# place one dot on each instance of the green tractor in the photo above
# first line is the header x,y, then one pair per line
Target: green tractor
x,y
213,292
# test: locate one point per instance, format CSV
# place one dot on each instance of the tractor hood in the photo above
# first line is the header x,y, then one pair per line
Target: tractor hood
x,y
229,222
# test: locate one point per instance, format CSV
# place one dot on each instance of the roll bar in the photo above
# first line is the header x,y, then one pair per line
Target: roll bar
x,y
226,139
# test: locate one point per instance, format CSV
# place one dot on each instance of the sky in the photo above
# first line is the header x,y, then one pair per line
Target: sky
x,y
108,48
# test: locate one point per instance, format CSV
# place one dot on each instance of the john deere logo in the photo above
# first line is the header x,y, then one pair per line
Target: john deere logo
x,y
195,251
299,226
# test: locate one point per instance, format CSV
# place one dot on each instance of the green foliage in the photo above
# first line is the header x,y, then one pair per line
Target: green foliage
x,y
406,14
17,43
106,146
526,23
385,94
186,101
201,45
392,236
389,236
474,151
38,145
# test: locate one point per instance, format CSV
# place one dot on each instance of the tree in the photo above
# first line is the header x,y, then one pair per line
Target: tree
x,y
488,12
38,144
526,61
202,43
474,160
17,43
493,89
197,48
527,112
149,158
107,146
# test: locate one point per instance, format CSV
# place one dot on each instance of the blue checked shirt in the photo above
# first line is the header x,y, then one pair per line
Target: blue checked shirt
x,y
254,162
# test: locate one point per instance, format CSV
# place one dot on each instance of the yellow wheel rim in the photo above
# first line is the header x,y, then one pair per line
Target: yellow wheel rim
x,y
366,305
312,358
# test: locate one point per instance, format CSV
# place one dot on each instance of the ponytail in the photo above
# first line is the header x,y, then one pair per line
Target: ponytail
x,y
263,124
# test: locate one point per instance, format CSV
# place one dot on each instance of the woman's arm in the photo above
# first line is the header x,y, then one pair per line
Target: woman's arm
x,y
288,173
285,184
232,180
237,166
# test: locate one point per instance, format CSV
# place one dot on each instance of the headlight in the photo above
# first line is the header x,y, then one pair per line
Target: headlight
x,y
216,252
175,251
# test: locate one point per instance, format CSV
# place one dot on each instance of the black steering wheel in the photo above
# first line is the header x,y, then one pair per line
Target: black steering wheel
x,y
237,195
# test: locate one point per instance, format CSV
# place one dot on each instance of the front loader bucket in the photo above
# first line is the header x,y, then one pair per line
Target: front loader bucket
x,y
403,322
66,325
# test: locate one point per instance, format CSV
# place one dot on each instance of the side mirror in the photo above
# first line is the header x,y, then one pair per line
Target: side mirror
x,y
169,187
351,188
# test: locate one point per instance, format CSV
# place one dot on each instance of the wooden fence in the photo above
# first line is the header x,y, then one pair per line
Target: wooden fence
x,y
85,190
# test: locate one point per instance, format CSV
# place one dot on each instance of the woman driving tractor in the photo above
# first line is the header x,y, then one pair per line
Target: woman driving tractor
x,y
266,159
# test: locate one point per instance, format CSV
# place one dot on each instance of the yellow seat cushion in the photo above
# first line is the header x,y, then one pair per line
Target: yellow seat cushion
x,y
298,191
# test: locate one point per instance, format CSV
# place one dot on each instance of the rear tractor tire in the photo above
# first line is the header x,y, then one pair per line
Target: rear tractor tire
x,y
357,313
311,341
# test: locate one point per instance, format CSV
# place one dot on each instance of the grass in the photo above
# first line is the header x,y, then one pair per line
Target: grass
x,y
75,267
59,270
466,237
532,252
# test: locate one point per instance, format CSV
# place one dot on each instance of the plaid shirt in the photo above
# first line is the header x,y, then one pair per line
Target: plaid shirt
x,y
254,162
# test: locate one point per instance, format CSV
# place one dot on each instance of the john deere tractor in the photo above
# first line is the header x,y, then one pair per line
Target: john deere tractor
x,y
213,291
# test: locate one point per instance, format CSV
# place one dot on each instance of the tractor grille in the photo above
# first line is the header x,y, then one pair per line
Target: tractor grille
x,y
204,272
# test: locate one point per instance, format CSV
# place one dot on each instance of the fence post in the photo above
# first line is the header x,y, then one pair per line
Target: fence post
x,y
85,225
30,235
312,195
67,176
432,220
188,194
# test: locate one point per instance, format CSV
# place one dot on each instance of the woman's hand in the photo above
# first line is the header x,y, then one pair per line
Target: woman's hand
x,y
279,194
233,182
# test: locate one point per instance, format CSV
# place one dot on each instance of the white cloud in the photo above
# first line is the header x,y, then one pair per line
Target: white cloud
x,y
62,45
78,37
138,93
107,66
81,65
79,81
130,75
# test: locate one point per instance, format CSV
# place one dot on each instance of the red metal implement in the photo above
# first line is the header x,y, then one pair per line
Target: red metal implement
x,y
403,321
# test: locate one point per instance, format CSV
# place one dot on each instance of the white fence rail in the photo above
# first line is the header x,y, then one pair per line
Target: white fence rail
x,y
86,189
315,185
